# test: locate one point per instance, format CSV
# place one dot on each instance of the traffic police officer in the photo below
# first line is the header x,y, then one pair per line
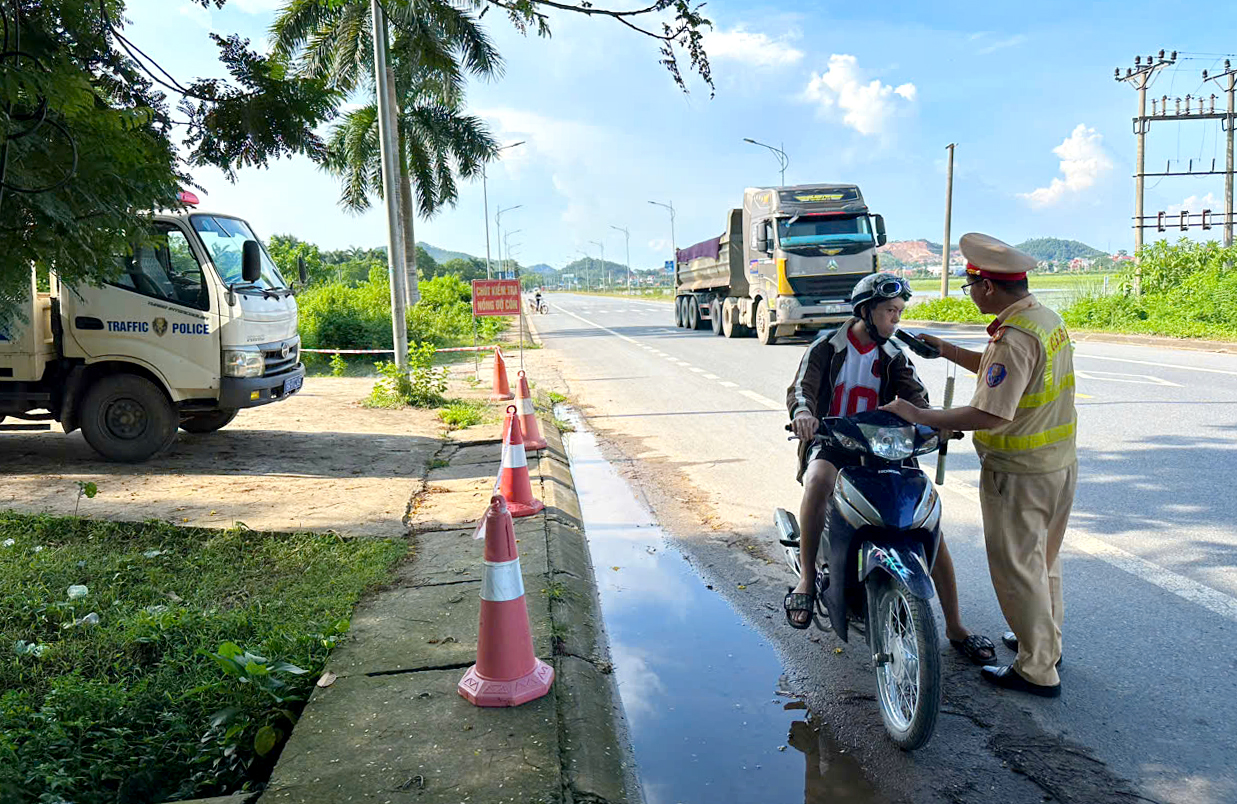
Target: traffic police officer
x,y
1024,422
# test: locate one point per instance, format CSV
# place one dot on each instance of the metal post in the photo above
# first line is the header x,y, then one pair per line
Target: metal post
x,y
485,199
627,241
782,159
1228,164
602,246
949,205
1140,180
390,191
674,252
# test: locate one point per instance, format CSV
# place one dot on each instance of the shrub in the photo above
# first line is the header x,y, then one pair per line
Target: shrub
x,y
420,387
950,308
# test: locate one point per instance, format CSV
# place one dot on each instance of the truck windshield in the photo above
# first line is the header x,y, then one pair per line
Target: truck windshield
x,y
223,237
819,230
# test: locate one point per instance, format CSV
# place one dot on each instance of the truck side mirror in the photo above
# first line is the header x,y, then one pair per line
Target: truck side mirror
x,y
760,242
251,261
881,238
302,271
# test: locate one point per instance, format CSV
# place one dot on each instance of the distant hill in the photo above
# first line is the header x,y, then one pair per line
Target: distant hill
x,y
1051,248
913,252
441,255
541,268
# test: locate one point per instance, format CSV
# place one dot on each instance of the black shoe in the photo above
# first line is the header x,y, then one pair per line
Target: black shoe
x,y
1011,641
1007,677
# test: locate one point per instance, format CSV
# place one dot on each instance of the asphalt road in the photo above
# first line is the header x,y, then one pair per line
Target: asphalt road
x,y
1149,709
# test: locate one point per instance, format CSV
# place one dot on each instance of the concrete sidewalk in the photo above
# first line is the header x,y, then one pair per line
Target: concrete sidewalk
x,y
391,726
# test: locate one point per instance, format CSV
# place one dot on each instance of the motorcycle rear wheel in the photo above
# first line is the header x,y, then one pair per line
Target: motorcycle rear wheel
x,y
908,670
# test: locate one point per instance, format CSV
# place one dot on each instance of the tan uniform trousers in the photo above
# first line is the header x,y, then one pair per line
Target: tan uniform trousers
x,y
1024,522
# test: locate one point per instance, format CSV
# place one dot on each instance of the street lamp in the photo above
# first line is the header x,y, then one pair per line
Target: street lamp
x,y
674,252
782,159
502,266
602,246
588,257
499,220
627,238
486,200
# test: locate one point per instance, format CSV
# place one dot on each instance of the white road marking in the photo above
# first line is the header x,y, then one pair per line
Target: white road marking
x,y
697,370
764,400
1181,586
711,377
727,384
1137,379
1154,363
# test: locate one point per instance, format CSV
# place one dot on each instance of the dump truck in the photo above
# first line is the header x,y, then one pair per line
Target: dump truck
x,y
196,324
786,262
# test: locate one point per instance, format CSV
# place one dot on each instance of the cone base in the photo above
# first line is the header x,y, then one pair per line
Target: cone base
x,y
519,509
481,691
501,397
540,443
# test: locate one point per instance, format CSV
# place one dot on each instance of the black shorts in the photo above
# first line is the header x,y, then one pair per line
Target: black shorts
x,y
838,457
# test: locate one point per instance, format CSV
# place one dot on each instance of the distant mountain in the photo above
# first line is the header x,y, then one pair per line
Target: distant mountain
x,y
1053,249
541,268
913,252
441,255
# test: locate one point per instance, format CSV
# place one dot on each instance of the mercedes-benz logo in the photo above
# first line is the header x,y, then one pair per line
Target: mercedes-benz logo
x,y
283,352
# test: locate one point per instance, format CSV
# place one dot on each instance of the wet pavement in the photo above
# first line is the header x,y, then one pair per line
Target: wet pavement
x,y
701,689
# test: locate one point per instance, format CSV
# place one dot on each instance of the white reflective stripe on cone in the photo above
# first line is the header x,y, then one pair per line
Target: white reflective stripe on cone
x,y
514,457
526,406
501,581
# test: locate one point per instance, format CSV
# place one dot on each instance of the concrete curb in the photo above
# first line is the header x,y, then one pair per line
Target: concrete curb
x,y
391,725
1098,336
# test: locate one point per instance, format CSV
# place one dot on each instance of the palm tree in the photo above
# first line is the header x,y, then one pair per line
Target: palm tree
x,y
436,42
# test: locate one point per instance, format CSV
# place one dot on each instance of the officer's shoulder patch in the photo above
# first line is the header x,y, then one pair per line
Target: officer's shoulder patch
x,y
1000,333
996,375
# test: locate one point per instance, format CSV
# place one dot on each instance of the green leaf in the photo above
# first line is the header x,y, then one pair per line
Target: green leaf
x,y
266,740
286,667
90,490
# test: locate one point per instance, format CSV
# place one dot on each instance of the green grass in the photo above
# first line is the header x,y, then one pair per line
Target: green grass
x,y
1085,282
135,707
556,398
461,413
953,308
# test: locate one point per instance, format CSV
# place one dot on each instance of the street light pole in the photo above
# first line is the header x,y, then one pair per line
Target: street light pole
x,y
498,218
502,266
674,251
485,196
782,159
602,246
627,241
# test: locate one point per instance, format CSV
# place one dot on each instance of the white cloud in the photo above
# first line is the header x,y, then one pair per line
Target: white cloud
x,y
1083,161
756,49
660,244
1000,44
259,6
1195,204
865,106
197,15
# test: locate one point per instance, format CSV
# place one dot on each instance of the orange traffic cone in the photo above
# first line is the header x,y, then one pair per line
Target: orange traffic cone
x,y
528,415
513,480
507,672
502,391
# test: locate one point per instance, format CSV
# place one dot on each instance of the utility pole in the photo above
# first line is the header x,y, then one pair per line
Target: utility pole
x,y
1230,77
602,246
949,206
627,240
1140,77
782,159
396,260
485,196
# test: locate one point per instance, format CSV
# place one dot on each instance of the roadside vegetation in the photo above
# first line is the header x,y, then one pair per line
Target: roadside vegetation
x,y
146,662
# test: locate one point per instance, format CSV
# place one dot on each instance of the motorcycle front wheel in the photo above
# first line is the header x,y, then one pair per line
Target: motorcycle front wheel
x,y
908,664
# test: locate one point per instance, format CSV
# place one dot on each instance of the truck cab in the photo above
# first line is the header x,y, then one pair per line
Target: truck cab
x,y
196,324
807,247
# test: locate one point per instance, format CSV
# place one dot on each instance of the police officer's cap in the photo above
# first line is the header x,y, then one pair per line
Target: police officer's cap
x,y
989,258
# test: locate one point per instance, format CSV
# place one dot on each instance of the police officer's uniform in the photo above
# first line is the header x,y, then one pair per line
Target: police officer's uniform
x,y
1029,466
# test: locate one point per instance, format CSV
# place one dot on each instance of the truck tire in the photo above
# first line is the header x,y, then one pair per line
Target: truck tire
x,y
127,418
715,316
208,422
765,331
679,315
692,318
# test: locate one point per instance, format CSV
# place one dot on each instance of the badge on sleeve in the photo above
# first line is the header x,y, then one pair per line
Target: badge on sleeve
x,y
996,375
1000,333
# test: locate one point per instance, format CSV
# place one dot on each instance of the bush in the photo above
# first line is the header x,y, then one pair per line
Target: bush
x,y
420,387
950,308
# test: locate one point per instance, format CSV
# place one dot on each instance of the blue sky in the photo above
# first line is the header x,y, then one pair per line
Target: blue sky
x,y
855,92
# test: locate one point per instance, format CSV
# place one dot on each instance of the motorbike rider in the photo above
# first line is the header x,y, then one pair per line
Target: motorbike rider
x,y
537,300
849,370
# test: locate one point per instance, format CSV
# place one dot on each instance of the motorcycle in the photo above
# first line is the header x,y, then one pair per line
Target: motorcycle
x,y
874,564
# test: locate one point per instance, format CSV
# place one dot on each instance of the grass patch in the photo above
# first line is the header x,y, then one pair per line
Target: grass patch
x,y
146,662
950,308
461,413
437,463
556,398
563,425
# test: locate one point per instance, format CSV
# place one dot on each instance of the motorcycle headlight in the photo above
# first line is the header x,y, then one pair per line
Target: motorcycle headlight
x,y
243,363
890,443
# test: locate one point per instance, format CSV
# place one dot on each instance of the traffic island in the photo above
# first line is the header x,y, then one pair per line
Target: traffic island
x,y
391,725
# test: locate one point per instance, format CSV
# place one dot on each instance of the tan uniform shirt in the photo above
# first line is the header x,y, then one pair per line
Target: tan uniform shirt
x,y
1026,376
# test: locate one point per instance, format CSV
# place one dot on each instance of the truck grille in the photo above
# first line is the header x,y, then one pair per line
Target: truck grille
x,y
277,364
832,287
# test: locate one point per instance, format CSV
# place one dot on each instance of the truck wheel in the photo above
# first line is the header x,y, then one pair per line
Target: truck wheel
x,y
765,331
208,422
678,312
127,418
715,315
693,314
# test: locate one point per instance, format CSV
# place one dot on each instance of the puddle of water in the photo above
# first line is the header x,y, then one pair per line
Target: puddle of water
x,y
698,685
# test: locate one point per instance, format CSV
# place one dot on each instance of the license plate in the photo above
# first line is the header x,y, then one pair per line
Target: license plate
x,y
292,383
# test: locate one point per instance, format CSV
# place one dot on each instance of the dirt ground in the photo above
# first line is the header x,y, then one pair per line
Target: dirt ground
x,y
318,462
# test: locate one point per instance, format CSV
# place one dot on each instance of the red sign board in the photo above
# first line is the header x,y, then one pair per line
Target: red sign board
x,y
495,297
